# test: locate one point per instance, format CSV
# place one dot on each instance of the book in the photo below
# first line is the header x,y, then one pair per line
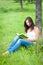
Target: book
x,y
22,35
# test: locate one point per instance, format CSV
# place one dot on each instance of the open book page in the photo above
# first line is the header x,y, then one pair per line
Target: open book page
x,y
22,35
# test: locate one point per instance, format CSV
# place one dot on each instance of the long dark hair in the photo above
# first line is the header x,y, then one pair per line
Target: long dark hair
x,y
26,26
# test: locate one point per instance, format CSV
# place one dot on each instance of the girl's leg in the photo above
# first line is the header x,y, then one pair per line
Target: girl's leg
x,y
15,47
26,43
13,42
18,44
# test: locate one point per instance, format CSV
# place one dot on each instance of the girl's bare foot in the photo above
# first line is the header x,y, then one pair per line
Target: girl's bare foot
x,y
5,53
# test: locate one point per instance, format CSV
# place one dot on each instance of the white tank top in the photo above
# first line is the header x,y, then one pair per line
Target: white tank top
x,y
30,34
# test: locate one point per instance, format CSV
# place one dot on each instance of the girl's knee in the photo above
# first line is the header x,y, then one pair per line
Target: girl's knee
x,y
19,41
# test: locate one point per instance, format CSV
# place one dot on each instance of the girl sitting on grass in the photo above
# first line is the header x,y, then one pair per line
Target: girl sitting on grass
x,y
32,32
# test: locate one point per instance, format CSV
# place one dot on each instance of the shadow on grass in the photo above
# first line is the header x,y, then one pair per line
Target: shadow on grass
x,y
39,45
5,10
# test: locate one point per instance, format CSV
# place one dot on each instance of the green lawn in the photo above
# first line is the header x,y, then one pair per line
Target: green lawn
x,y
11,22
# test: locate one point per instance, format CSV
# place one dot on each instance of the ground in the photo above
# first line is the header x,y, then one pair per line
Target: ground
x,y
11,22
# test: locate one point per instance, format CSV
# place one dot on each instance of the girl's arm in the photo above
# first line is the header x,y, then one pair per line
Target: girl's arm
x,y
36,30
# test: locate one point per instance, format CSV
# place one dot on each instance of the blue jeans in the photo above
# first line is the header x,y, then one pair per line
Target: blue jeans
x,y
16,43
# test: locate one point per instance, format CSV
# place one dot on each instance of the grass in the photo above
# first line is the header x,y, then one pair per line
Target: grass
x,y
11,22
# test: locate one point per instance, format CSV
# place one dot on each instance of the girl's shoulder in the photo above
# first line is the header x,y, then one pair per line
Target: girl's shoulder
x,y
36,29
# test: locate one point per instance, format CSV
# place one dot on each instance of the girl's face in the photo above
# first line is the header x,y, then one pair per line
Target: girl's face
x,y
28,23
